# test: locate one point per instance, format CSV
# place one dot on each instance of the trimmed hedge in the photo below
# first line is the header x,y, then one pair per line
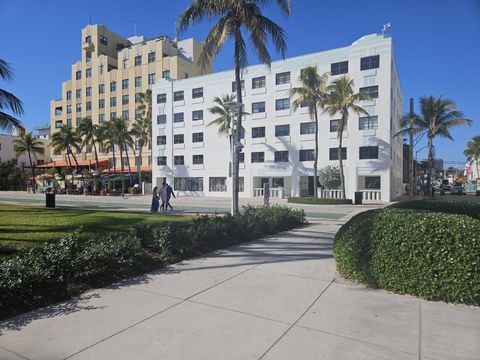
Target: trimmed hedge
x,y
429,254
452,207
58,270
313,201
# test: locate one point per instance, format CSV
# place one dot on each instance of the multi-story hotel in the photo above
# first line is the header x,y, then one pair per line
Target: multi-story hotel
x,y
278,142
113,71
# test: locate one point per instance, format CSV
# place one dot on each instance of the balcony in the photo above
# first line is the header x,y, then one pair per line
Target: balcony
x,y
87,45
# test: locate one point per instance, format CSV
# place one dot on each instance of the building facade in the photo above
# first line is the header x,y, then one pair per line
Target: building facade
x,y
111,74
279,143
7,152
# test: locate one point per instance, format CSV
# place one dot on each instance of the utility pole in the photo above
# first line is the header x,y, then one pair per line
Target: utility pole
x,y
410,168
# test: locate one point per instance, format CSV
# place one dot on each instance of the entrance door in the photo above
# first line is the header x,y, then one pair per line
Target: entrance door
x,y
310,186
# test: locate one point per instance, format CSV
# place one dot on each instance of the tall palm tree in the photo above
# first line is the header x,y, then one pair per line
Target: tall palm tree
x,y
121,135
106,137
236,16
223,113
438,116
142,131
27,143
146,104
8,101
472,152
88,132
313,93
342,100
65,140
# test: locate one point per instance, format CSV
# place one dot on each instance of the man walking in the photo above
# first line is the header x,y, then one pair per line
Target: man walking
x,y
170,193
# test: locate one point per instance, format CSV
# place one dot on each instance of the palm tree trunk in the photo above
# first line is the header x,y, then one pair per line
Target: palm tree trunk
x,y
315,162
139,164
430,167
236,140
342,175
476,165
33,171
69,162
410,169
122,168
114,167
128,164
96,154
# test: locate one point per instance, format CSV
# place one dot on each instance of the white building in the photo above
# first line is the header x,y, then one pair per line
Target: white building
x,y
278,142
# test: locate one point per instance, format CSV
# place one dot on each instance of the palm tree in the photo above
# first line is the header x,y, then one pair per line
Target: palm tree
x,y
65,140
472,152
439,115
342,100
236,16
88,131
223,113
146,106
106,137
313,93
27,143
142,131
8,101
120,135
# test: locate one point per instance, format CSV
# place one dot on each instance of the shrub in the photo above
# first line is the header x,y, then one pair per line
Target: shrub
x,y
452,207
424,253
313,201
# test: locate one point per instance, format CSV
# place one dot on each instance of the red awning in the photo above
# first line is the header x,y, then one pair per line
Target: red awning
x,y
102,163
133,169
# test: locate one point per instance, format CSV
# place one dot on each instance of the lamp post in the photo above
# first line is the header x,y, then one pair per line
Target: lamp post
x,y
235,147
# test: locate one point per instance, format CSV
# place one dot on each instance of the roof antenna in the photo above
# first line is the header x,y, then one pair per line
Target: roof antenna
x,y
385,27
135,28
90,19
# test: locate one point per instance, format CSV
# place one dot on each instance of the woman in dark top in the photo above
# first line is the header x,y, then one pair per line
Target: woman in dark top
x,y
155,203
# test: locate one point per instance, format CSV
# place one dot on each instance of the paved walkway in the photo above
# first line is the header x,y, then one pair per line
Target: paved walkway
x,y
275,298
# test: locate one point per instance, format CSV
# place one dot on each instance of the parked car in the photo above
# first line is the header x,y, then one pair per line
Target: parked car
x,y
457,190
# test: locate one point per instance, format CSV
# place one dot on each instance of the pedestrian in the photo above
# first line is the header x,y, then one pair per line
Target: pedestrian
x,y
155,203
170,193
163,197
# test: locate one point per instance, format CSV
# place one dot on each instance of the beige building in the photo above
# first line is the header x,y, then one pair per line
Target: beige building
x,y
113,71
7,152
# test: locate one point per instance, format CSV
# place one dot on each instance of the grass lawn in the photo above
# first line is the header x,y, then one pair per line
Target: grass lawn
x,y
27,226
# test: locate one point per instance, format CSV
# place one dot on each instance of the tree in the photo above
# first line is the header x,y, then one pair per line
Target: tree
x,y
27,143
329,177
223,113
65,140
313,94
236,16
88,131
342,100
142,131
438,116
472,152
8,101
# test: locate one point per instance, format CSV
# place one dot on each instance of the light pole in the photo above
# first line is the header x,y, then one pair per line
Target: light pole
x,y
235,147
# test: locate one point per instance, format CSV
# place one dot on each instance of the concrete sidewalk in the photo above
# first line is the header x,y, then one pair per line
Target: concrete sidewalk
x,y
275,298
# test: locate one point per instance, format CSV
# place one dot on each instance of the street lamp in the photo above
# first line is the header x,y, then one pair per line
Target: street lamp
x,y
235,147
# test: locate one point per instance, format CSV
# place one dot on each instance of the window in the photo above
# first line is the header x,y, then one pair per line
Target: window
x,y
88,91
151,57
88,149
372,182
78,120
138,113
125,63
197,115
307,128
138,60
138,98
281,156
178,96
113,115
368,152
161,140
79,108
277,182
151,79
258,157
197,137
258,107
282,104
166,74
103,40
161,119
218,184
137,145
125,100
178,117
197,159
101,103
125,114
178,160
58,124
258,82
368,123
370,62
188,184
339,68
334,153
78,93
282,78
69,109
161,98
138,161
258,132
58,111
78,75
186,75
372,91
307,155
88,73
178,139
113,86
161,160
282,130
197,93
69,122
100,70
124,84
88,39
334,124
113,101
234,86
138,81
241,158
101,118
69,95
101,88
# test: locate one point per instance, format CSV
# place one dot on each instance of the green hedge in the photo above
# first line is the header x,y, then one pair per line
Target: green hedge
x,y
60,269
313,201
451,207
430,254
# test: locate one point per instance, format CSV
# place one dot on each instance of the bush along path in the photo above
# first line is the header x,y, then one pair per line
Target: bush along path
x,y
417,248
59,270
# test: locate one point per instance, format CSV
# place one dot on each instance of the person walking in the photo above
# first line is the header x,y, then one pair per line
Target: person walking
x,y
155,203
170,193
163,197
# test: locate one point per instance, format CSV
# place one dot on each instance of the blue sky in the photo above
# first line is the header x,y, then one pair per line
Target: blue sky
x,y
436,44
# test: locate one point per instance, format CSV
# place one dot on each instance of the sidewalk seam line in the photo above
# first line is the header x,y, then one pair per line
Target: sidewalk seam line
x,y
14,353
419,330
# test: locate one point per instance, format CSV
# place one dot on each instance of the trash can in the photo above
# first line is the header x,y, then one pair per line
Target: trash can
x,y
477,192
50,200
358,198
